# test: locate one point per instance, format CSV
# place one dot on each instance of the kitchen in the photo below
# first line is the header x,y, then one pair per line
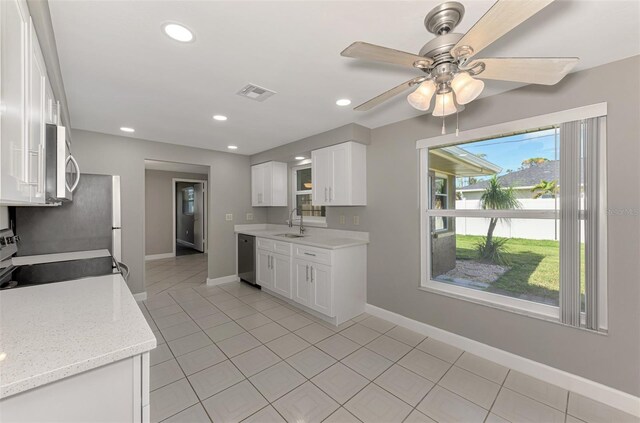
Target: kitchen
x,y
332,299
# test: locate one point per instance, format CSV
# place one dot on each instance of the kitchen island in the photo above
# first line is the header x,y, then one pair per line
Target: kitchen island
x,y
74,351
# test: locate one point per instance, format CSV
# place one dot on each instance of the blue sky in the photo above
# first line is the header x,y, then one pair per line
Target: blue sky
x,y
509,152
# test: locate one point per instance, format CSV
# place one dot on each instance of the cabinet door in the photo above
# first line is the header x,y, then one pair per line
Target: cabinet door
x,y
301,284
321,289
13,131
264,276
257,185
320,177
36,119
339,175
51,115
281,274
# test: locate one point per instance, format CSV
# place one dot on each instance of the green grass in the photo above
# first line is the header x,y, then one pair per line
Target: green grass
x,y
534,266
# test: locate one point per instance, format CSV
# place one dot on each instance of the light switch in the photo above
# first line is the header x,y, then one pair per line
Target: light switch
x,y
228,217
343,219
356,220
249,216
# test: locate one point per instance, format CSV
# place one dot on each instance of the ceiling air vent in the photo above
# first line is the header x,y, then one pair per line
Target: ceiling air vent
x,y
254,92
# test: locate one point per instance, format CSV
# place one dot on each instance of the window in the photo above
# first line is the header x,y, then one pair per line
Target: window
x,y
301,182
188,200
518,221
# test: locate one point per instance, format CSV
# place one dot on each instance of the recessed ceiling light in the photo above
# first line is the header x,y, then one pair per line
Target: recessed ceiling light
x,y
125,129
299,157
232,147
178,32
219,117
343,102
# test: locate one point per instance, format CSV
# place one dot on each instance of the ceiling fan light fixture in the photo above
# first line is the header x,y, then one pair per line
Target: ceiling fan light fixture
x,y
466,87
445,105
421,98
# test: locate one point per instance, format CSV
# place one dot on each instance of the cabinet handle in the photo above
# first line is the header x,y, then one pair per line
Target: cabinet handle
x,y
330,195
307,273
309,254
270,262
311,274
325,194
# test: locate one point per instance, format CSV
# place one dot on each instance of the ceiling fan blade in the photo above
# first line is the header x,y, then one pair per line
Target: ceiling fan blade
x,y
362,50
503,16
387,95
530,70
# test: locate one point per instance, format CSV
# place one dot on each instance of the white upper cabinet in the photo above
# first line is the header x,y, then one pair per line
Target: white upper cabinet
x,y
269,184
14,37
340,175
37,111
25,94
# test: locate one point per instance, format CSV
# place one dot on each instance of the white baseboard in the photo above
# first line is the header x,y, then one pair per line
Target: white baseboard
x,y
140,296
158,256
221,280
578,384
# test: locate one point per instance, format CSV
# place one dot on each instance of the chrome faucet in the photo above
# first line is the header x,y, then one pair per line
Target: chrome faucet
x,y
302,228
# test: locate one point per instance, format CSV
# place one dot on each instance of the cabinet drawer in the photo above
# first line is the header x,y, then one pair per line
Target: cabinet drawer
x,y
317,255
274,246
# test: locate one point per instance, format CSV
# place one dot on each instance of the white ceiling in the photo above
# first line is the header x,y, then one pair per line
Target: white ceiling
x,y
120,70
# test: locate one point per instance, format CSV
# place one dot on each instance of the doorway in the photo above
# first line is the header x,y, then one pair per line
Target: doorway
x,y
189,216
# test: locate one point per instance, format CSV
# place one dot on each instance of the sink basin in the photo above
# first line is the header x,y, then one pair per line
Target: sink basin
x,y
290,235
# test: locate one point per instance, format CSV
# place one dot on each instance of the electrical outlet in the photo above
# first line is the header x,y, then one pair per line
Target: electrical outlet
x,y
356,220
249,216
343,219
228,217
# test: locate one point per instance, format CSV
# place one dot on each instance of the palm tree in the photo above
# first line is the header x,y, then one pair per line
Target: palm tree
x,y
495,197
545,187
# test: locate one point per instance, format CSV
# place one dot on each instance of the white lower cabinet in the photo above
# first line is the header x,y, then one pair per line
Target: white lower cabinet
x,y
331,283
116,392
264,276
273,272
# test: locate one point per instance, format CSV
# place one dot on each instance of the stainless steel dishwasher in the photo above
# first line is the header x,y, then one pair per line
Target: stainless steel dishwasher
x,y
247,258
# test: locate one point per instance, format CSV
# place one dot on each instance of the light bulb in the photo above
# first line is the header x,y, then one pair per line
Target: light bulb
x,y
421,97
445,105
466,87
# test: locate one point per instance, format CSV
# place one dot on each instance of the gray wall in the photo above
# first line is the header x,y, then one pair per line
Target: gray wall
x,y
392,217
158,209
229,192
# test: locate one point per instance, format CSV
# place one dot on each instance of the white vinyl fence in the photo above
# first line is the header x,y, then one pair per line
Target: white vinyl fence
x,y
511,228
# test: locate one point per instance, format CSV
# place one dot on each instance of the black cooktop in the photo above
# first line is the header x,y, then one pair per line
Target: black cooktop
x,y
36,274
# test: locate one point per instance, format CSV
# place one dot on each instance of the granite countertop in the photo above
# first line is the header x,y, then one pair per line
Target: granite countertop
x,y
331,242
56,330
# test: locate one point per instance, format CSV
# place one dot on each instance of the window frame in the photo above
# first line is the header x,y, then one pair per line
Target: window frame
x,y
319,221
516,305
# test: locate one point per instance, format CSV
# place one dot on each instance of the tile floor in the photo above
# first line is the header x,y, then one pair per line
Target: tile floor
x,y
232,353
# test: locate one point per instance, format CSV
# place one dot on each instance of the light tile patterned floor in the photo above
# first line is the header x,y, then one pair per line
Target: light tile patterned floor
x,y
232,353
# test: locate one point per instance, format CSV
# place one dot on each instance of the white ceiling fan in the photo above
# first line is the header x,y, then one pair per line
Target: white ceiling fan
x,y
448,63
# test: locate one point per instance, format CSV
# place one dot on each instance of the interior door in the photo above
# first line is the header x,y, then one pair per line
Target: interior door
x,y
301,290
263,269
198,217
281,274
321,295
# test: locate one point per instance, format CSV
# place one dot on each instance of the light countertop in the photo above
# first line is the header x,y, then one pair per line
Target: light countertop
x,y
52,331
330,240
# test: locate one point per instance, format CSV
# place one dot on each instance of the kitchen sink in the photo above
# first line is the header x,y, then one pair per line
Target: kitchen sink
x,y
290,235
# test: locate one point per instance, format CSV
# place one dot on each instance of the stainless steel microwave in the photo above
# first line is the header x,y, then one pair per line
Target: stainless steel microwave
x,y
62,171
